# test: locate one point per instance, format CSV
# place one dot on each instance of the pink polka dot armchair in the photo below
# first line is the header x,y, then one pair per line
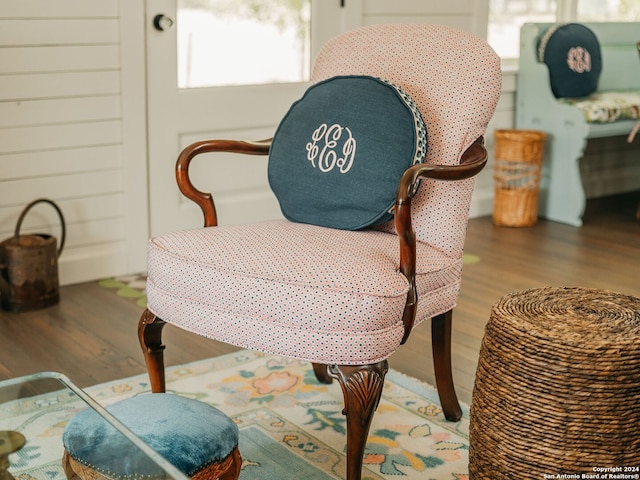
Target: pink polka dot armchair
x,y
344,300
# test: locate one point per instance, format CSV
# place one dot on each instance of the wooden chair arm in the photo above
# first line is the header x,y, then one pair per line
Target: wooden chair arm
x,y
205,200
472,162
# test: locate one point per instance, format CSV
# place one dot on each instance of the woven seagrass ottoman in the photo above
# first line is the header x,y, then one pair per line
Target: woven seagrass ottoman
x,y
196,438
557,389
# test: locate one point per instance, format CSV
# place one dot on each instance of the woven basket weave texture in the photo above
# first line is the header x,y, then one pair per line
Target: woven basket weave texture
x,y
557,388
517,170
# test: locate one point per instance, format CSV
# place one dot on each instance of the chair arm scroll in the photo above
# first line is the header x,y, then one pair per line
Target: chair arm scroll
x,y
203,199
472,162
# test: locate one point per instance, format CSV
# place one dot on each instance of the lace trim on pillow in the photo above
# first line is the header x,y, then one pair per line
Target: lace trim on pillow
x,y
421,131
542,46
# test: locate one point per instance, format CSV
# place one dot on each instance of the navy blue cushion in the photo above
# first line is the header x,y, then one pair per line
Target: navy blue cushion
x,y
572,54
188,433
339,153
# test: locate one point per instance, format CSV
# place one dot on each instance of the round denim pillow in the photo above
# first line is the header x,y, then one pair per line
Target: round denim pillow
x,y
339,153
572,54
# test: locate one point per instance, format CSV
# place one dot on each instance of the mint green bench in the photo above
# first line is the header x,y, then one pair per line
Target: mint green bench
x,y
577,129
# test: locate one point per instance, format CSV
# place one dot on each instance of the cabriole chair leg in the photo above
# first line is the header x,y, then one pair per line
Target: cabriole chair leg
x,y
441,346
362,389
150,336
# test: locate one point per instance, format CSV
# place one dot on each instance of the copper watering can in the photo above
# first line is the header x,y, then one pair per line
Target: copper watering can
x,y
29,267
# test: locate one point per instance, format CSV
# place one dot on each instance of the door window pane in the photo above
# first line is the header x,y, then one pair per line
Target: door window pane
x,y
507,16
242,42
608,10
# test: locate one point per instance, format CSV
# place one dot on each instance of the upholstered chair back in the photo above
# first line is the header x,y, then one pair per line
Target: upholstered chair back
x,y
455,79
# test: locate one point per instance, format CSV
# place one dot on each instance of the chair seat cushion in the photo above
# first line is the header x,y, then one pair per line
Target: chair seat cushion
x,y
337,156
191,435
292,289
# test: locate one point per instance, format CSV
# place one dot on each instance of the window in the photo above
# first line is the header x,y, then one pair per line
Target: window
x,y
242,42
507,16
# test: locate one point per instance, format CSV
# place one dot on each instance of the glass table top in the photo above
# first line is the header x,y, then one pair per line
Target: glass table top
x,y
34,410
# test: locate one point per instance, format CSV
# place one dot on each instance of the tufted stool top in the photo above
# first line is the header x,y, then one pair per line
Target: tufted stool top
x,y
191,435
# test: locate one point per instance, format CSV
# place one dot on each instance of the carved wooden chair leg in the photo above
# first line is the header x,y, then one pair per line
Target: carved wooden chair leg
x,y
362,388
150,336
322,373
441,346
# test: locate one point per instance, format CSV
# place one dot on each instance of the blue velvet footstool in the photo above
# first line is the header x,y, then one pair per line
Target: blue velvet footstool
x,y
197,438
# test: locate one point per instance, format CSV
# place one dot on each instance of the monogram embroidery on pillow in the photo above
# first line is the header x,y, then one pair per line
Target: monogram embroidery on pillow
x,y
579,60
339,152
333,147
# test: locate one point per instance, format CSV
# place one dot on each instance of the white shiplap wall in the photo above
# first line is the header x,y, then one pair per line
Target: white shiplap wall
x,y
62,123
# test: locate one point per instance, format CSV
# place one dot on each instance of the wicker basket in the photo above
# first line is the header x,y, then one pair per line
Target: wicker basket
x,y
517,172
557,388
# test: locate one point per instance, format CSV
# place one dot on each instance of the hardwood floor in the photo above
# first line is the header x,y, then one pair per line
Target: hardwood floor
x,y
91,334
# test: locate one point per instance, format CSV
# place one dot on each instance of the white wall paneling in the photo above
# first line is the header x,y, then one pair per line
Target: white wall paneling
x,y
63,124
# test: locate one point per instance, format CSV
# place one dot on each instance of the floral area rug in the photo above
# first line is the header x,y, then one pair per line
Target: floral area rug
x,y
128,286
291,426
